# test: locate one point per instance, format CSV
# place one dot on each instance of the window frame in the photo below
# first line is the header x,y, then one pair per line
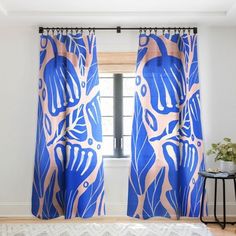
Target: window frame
x,y
118,116
117,63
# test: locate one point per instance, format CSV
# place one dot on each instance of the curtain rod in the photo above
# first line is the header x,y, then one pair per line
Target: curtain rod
x,y
118,28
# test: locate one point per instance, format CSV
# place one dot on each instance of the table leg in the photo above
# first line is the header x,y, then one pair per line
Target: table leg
x,y
215,199
224,210
202,202
215,204
216,221
235,188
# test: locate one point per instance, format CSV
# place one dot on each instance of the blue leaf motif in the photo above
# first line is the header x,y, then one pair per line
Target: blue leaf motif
x,y
195,112
143,155
187,165
132,200
172,156
152,204
42,162
62,83
80,163
75,44
196,194
89,199
184,46
141,53
49,210
94,115
172,128
175,38
92,78
43,45
42,56
184,121
166,80
73,127
35,201
60,133
151,120
48,125
76,126
193,74
60,154
143,40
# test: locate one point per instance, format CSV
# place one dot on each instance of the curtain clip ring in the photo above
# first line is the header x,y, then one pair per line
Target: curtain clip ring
x,y
155,30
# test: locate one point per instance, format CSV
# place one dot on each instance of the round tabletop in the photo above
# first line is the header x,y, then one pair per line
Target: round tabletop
x,y
219,175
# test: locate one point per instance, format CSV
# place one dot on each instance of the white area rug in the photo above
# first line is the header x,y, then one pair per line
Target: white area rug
x,y
104,229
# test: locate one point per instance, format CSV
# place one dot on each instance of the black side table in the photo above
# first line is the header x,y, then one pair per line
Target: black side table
x,y
206,175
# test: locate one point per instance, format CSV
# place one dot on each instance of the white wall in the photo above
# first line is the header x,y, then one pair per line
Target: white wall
x,y
218,97
18,96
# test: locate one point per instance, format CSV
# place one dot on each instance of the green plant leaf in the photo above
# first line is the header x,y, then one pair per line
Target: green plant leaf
x,y
214,145
227,139
225,151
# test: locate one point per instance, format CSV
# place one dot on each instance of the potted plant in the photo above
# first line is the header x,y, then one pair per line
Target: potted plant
x,y
225,152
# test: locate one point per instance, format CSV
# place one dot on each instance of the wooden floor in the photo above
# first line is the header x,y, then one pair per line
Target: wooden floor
x,y
230,230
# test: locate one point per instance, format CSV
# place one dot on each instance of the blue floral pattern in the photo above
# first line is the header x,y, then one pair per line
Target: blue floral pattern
x,y
167,145
68,171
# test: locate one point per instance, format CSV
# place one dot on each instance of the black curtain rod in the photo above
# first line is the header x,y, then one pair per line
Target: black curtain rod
x,y
118,28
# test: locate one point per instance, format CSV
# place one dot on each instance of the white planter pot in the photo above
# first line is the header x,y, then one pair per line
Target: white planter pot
x,y
228,166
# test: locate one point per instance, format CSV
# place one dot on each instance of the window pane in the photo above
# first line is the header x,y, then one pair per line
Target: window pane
x,y
106,87
107,145
128,106
127,145
107,106
107,125
128,86
129,75
105,75
127,125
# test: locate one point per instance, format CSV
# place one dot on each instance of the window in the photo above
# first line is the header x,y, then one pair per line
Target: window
x,y
117,107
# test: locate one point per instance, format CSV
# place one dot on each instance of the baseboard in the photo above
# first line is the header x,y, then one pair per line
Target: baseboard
x,y
23,209
116,209
230,208
15,209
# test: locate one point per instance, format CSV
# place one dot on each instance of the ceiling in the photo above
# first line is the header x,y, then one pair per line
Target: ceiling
x,y
114,12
